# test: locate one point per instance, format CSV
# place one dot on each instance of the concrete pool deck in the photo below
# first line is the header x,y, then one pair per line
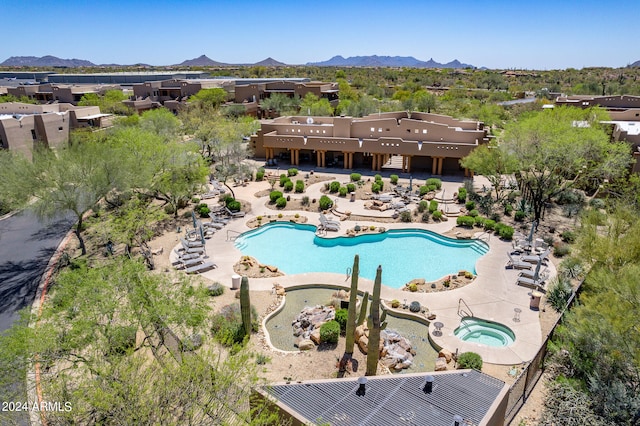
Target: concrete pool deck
x,y
493,295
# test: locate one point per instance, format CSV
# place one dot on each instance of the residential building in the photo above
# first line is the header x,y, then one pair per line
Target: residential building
x,y
446,398
25,126
426,142
65,93
255,91
624,113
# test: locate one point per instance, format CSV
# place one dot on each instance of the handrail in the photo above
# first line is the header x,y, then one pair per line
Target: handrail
x,y
236,232
348,273
485,233
461,311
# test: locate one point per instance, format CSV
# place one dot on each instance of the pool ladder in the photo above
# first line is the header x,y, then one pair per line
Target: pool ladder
x,y
348,273
463,309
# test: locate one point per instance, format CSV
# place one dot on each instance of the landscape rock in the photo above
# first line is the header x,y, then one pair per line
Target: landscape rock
x,y
441,364
446,354
306,345
315,336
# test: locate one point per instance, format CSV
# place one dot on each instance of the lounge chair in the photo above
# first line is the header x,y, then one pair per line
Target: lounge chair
x,y
517,263
200,268
385,198
535,258
530,274
328,226
530,283
234,214
329,221
214,225
190,244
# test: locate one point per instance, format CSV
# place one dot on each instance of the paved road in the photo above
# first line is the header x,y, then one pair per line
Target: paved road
x,y
26,245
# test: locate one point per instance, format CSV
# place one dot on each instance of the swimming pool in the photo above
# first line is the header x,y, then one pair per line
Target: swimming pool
x,y
404,254
485,332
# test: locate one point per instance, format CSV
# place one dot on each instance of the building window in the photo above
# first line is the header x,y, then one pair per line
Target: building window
x,y
379,129
373,129
60,128
416,131
424,131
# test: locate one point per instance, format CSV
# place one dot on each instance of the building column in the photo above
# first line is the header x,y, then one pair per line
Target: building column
x,y
434,165
409,163
297,157
440,161
323,158
318,163
374,162
351,160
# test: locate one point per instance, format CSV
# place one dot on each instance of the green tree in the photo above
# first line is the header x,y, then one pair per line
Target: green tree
x,y
493,163
312,105
213,97
162,122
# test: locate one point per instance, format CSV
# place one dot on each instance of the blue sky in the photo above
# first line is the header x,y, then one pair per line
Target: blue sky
x,y
520,34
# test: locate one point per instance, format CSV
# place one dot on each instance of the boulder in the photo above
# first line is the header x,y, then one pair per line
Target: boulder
x,y
361,330
315,336
280,291
363,344
296,343
446,354
306,345
441,364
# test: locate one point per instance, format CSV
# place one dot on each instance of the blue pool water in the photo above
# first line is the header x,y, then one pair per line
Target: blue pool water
x,y
403,254
484,332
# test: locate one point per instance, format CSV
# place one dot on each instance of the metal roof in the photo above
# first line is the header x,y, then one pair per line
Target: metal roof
x,y
393,400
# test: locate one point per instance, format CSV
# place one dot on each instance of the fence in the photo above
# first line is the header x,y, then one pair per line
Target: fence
x,y
526,381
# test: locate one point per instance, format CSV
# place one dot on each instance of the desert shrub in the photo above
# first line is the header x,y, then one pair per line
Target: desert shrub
x,y
423,190
570,196
288,186
434,182
330,331
508,209
568,237
559,293
260,174
262,359
597,203
341,318
292,171
281,202
122,340
343,191
169,209
571,267
437,215
215,289
394,179
274,195
299,186
334,186
470,205
376,188
351,187
466,221
489,224
325,203
234,206
425,216
519,216
415,306
470,360
504,231
433,206
413,287
283,178
561,249
479,221
462,195
377,177
395,303
474,213
195,200
226,326
405,216
355,177
305,201
422,206
203,210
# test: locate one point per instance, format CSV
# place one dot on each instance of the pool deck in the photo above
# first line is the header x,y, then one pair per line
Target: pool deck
x,y
493,295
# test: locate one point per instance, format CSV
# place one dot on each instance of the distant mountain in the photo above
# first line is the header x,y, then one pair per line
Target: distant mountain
x,y
635,64
45,61
386,61
270,62
201,61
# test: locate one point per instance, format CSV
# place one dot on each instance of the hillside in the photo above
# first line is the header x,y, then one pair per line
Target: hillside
x,y
386,61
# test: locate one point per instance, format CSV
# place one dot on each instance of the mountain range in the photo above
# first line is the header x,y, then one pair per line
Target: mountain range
x,y
204,61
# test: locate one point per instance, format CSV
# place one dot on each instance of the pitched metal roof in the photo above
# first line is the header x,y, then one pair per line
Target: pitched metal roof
x,y
393,400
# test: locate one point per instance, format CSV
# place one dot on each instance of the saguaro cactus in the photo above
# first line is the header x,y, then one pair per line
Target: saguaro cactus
x,y
245,306
350,331
376,324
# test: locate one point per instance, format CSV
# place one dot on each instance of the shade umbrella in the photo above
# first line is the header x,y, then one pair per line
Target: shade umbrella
x,y
533,230
410,183
195,221
536,273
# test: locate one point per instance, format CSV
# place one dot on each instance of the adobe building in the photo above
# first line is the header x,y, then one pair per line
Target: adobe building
x,y
426,142
624,112
23,127
65,93
460,397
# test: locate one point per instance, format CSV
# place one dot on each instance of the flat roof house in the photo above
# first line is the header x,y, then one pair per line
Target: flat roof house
x,y
426,142
25,126
461,398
